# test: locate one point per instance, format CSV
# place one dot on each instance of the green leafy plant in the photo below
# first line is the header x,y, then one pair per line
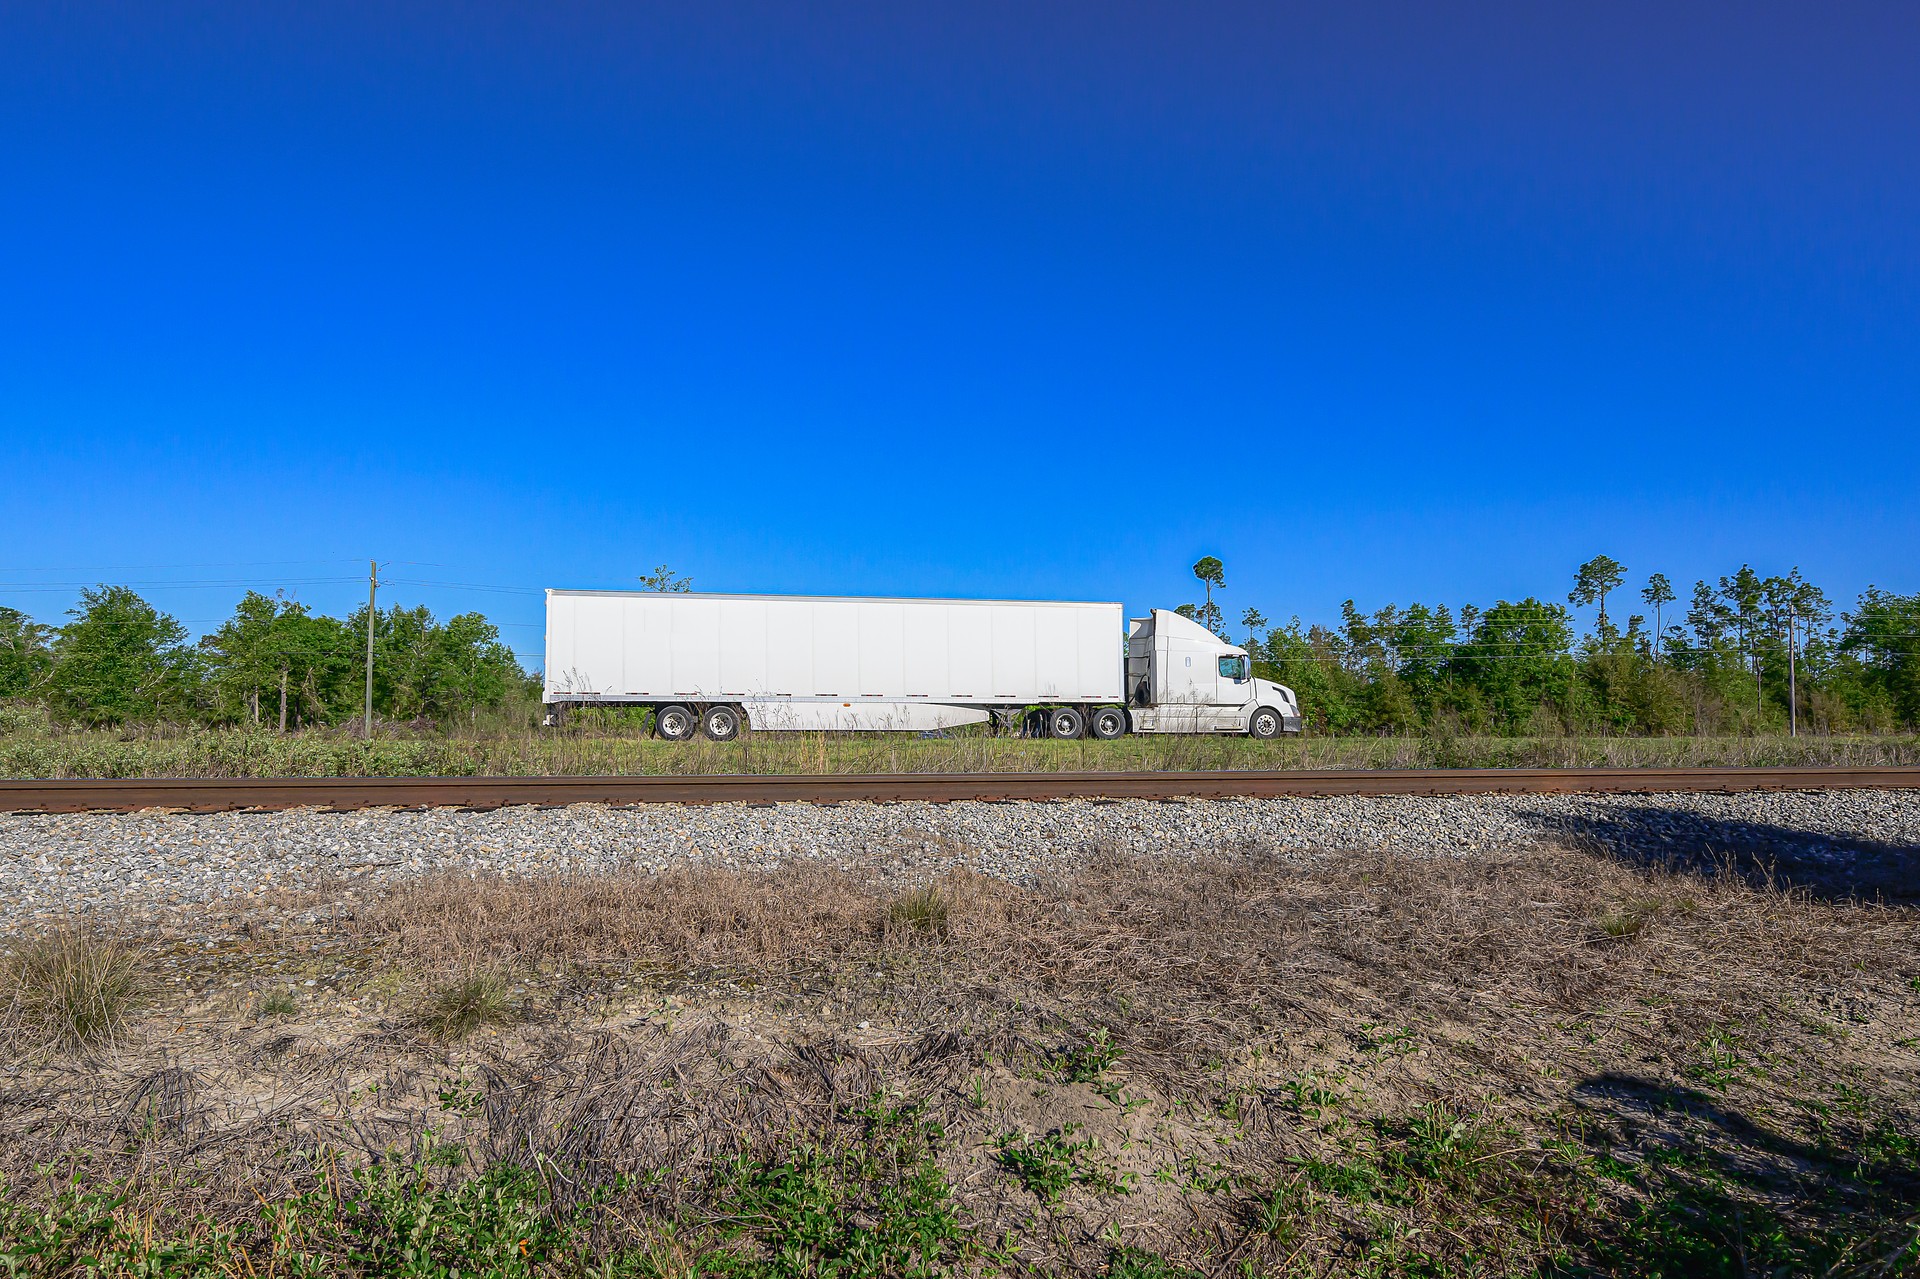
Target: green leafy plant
x,y
1051,1162
1088,1061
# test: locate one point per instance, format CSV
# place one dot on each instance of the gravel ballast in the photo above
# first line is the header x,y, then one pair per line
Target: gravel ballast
x,y
130,865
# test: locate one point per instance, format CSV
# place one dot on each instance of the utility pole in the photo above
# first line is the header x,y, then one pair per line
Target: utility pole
x,y
1793,689
373,584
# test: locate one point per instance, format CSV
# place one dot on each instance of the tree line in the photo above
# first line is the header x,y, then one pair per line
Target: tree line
x,y
274,663
1747,654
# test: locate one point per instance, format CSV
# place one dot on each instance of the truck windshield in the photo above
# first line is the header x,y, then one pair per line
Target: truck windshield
x,y
1233,668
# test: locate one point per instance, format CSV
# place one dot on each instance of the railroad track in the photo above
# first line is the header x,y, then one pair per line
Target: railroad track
x,y
227,795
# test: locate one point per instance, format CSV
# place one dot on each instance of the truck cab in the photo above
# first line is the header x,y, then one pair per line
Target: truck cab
x,y
1182,678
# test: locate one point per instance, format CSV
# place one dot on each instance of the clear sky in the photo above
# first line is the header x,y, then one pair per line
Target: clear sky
x,y
1415,301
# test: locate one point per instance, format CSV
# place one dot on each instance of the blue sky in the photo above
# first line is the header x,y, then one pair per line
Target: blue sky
x,y
1384,301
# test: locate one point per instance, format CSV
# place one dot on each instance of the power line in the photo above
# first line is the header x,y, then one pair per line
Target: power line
x,y
123,568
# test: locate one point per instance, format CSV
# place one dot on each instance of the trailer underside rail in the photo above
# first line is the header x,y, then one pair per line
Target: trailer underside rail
x,y
202,795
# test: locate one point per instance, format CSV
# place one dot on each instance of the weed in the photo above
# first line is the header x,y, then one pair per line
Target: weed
x,y
1197,1177
878,1205
73,988
1046,1165
461,1097
1356,1182
1279,1214
393,1218
1720,1061
1381,1040
1310,1097
1439,1139
30,746
1088,1062
1138,1263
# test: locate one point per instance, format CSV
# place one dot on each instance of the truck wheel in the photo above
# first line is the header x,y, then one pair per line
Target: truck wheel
x,y
675,723
1067,723
1266,723
721,723
1108,723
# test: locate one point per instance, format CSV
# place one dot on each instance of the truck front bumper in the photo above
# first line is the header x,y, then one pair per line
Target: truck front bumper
x,y
1289,723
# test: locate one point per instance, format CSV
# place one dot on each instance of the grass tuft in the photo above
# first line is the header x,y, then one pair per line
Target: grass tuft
x,y
481,998
924,910
1629,921
274,1003
73,988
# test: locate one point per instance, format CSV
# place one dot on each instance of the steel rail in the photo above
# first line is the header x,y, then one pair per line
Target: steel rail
x,y
203,795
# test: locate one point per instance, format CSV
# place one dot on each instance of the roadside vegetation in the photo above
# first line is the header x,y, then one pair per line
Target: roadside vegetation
x,y
118,691
1544,1062
602,745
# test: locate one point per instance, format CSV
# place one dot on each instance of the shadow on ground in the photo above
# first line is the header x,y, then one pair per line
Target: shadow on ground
x,y
1726,1195
1831,867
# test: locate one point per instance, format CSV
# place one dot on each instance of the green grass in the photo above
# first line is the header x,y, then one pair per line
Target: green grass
x,y
923,911
275,1003
874,1205
1434,1192
38,752
1696,1209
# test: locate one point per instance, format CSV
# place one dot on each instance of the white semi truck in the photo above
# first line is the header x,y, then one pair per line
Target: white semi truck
x,y
709,663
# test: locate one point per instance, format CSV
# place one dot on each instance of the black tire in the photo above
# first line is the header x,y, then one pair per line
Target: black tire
x,y
1107,723
1266,723
1066,723
675,723
721,723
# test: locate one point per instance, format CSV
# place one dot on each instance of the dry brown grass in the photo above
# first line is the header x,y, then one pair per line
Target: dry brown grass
x,y
1201,955
1221,1034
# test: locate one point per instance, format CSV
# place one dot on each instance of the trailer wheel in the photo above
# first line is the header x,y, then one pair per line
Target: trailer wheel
x,y
1066,723
675,723
1266,723
1108,723
721,723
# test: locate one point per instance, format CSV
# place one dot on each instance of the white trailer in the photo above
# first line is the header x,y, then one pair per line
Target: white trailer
x,y
708,663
